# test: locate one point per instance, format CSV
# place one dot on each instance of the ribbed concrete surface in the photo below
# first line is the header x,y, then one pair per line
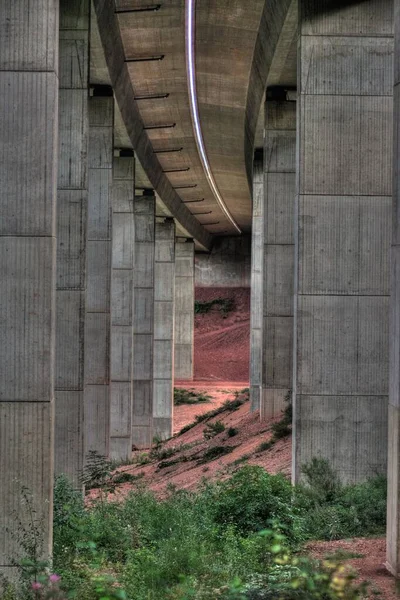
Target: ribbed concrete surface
x,y
122,312
72,196
98,274
142,418
184,310
164,316
28,171
280,180
343,237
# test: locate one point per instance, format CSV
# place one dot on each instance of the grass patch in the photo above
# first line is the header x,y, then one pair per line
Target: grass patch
x,y
282,428
213,429
342,555
183,396
214,453
264,446
225,306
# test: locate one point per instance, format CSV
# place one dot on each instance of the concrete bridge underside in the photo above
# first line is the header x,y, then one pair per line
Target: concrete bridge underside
x,y
115,168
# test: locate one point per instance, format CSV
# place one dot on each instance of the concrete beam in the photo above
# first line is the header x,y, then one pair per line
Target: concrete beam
x,y
28,174
122,85
122,310
71,236
343,225
184,310
98,273
164,316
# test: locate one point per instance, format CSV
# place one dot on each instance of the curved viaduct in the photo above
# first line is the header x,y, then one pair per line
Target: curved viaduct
x,y
134,133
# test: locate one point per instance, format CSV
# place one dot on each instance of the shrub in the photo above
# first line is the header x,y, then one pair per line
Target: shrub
x,y
232,431
213,429
225,305
215,452
182,396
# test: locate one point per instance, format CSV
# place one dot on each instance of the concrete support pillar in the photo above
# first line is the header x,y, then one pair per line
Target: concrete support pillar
x,y
98,273
28,175
257,287
393,507
164,312
343,225
184,310
143,301
121,365
279,195
71,236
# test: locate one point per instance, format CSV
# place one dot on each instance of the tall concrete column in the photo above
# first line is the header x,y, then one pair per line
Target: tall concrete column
x,y
184,310
279,195
393,506
71,236
343,224
98,273
143,301
121,367
256,286
28,175
164,312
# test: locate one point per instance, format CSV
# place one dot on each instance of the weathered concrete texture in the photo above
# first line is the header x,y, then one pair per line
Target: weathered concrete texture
x,y
257,287
28,174
164,313
184,310
143,302
343,226
121,367
393,512
98,277
227,265
279,186
71,235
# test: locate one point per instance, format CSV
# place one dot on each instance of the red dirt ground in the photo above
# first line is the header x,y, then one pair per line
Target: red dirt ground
x,y
370,567
222,345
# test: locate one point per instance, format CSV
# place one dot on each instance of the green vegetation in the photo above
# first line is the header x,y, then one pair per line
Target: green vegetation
x,y
236,539
182,396
282,428
227,406
232,431
225,305
213,429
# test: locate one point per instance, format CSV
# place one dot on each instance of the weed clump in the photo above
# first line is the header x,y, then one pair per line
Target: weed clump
x,y
214,453
225,305
182,396
213,429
